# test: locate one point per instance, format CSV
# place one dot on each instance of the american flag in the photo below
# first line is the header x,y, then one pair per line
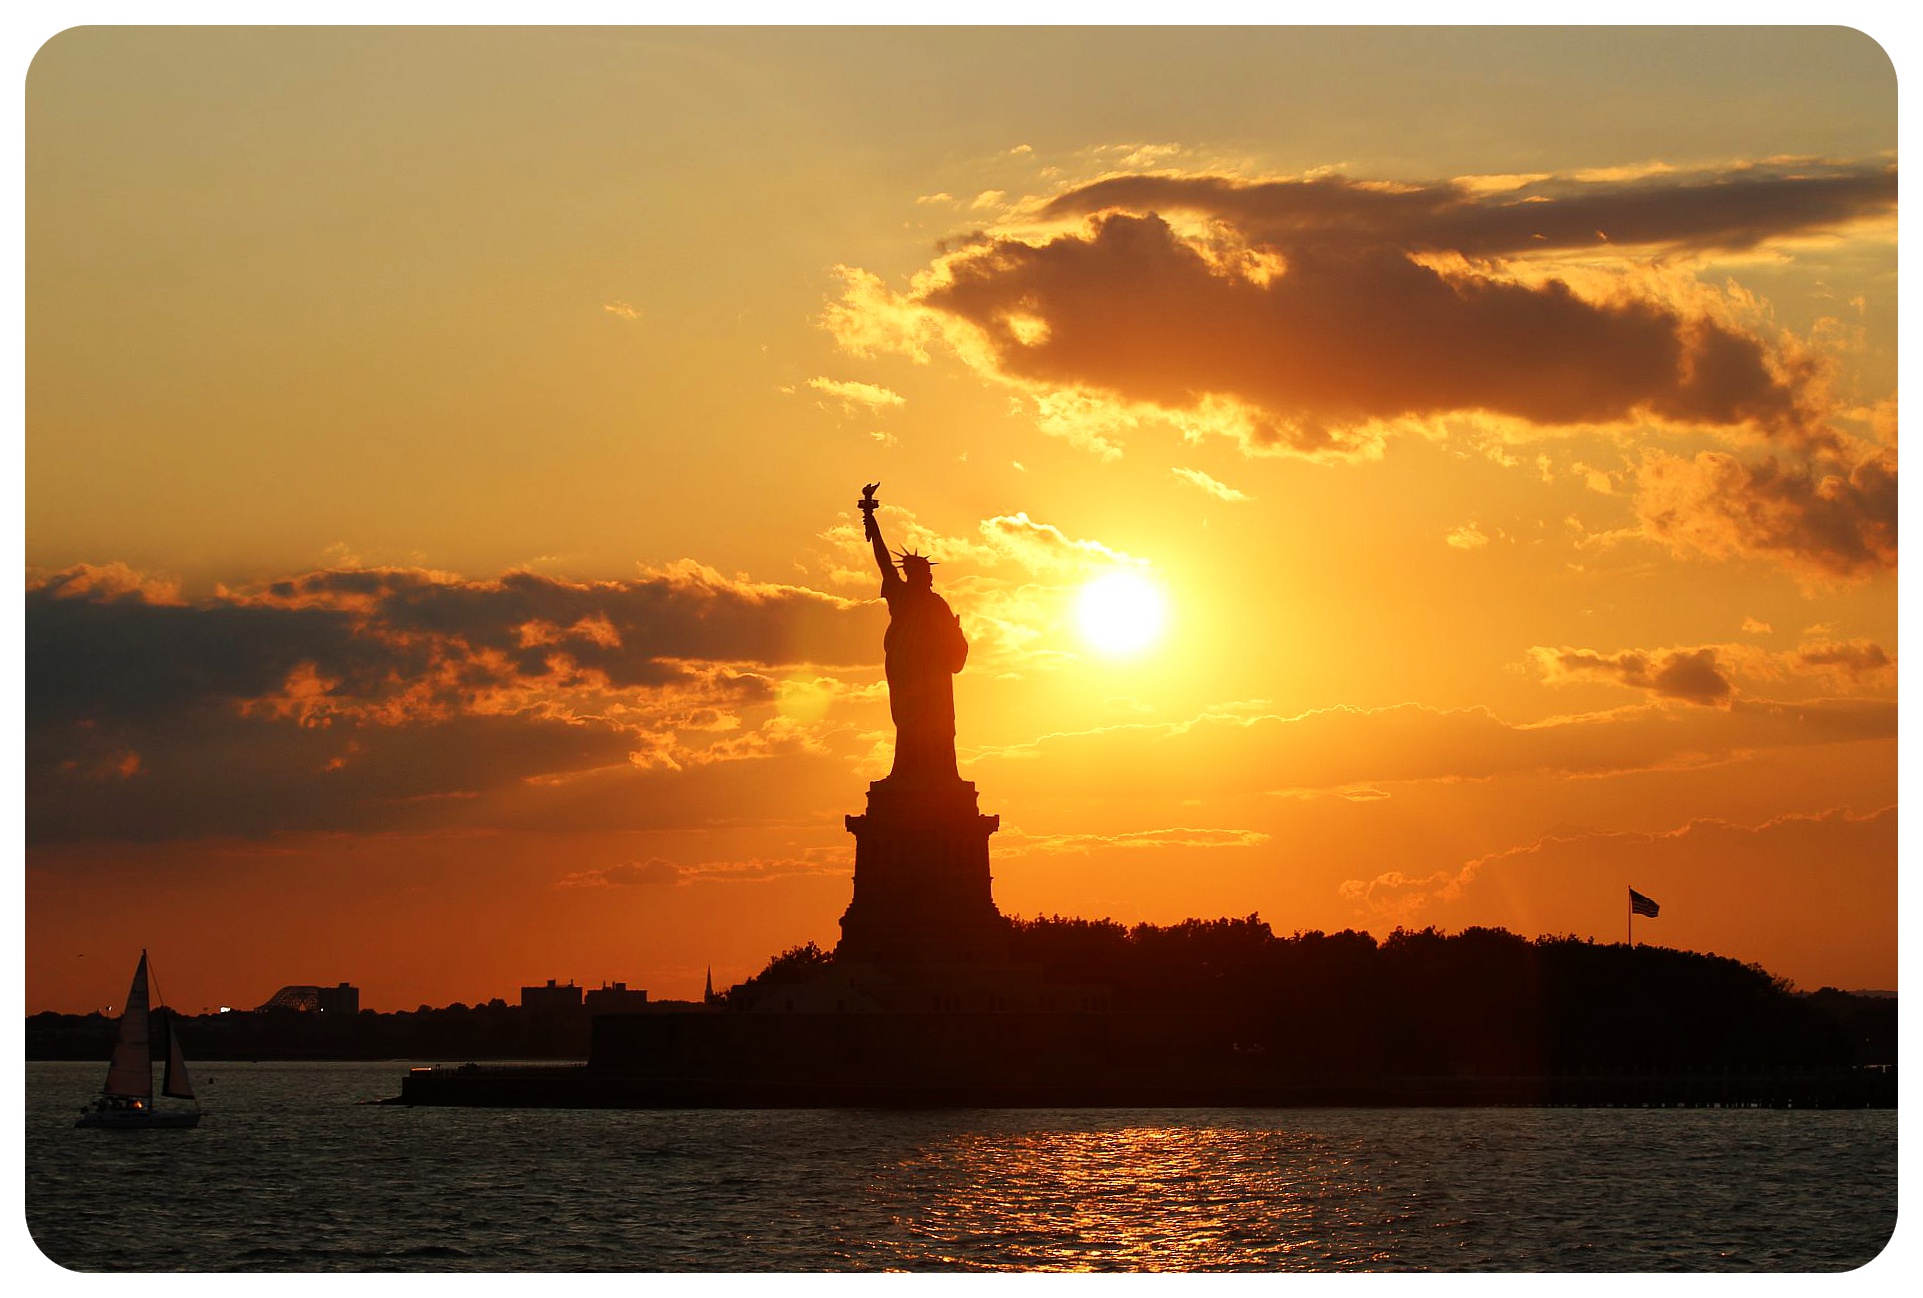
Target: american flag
x,y
1641,905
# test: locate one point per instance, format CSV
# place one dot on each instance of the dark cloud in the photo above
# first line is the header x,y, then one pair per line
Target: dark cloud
x,y
1855,659
416,641
1728,210
105,582
205,770
396,698
1346,335
1692,675
1314,307
1826,519
123,658
627,630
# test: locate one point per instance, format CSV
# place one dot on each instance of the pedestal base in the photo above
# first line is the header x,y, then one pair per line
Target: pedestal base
x,y
922,885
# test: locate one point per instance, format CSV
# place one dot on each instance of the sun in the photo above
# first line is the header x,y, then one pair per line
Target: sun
x,y
1121,612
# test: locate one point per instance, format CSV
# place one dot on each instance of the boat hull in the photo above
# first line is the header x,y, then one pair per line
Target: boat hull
x,y
139,1119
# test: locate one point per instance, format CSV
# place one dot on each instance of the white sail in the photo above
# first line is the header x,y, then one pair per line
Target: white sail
x,y
132,1072
175,1081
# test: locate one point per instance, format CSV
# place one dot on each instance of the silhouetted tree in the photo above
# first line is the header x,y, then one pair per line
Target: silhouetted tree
x,y
796,964
1482,1001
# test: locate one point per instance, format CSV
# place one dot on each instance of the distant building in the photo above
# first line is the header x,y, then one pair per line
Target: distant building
x,y
344,998
617,998
552,999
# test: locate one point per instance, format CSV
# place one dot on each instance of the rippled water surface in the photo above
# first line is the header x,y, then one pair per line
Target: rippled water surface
x,y
287,1172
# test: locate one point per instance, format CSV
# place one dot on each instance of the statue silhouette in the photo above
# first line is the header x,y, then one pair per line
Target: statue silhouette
x,y
923,650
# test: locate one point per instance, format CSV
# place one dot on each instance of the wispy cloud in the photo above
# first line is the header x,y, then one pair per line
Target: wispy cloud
x,y
654,871
1220,490
1043,844
870,396
1369,750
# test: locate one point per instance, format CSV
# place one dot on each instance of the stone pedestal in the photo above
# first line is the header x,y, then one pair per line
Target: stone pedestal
x,y
922,886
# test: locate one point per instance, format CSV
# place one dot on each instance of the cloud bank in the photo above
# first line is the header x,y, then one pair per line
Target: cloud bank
x,y
387,698
1318,316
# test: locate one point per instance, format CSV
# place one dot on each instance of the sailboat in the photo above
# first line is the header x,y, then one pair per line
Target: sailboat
x,y
127,1100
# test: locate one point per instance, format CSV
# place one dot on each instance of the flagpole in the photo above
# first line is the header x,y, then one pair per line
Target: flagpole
x,y
1646,905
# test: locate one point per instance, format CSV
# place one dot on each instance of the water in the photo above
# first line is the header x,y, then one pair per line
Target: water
x,y
287,1173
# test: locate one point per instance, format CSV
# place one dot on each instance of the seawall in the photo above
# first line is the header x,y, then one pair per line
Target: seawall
x,y
1058,1060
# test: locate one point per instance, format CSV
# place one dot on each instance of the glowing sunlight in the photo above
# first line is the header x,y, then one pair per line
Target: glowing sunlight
x,y
1121,613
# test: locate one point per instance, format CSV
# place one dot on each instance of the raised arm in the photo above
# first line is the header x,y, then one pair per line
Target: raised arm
x,y
873,532
882,561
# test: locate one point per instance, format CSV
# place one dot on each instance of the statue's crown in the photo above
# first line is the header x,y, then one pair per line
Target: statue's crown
x,y
910,556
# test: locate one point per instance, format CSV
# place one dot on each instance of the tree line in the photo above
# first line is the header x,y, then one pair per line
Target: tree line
x,y
1483,1000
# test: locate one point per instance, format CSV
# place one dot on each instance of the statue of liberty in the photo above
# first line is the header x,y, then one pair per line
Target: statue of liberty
x,y
923,650
923,893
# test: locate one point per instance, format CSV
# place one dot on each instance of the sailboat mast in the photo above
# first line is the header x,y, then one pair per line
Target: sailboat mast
x,y
174,1081
131,1073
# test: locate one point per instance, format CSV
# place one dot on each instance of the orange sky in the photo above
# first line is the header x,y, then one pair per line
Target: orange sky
x,y
442,570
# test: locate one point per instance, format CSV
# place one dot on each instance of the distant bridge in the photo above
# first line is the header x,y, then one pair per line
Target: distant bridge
x,y
305,999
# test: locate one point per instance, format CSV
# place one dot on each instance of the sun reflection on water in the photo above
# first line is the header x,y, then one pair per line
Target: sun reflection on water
x,y
1143,1198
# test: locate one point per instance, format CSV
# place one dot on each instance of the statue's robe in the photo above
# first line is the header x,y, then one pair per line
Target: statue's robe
x,y
923,650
